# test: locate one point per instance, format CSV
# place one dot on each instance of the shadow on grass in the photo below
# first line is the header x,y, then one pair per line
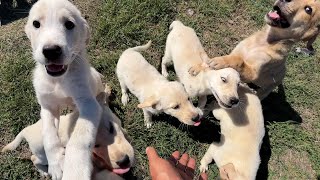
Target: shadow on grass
x,y
275,109
12,10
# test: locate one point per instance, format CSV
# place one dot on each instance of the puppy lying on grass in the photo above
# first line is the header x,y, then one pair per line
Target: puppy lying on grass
x,y
242,131
112,154
260,58
155,93
184,49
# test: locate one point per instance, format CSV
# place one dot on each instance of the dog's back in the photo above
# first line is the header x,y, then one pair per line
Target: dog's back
x,y
136,72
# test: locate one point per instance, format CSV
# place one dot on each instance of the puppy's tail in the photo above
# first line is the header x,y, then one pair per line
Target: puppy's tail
x,y
142,48
175,23
15,143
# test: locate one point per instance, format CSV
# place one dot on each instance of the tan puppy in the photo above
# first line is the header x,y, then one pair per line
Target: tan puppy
x,y
260,59
110,138
242,131
184,49
155,93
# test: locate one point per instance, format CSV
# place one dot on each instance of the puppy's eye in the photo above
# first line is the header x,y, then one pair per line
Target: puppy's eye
x,y
97,145
308,9
36,24
69,25
176,107
224,79
111,129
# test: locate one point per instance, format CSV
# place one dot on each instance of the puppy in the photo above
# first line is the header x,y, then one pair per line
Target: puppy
x,y
155,93
112,151
260,58
184,49
63,77
242,131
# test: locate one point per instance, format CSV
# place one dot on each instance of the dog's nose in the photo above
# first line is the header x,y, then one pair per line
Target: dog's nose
x,y
234,101
52,52
196,119
124,162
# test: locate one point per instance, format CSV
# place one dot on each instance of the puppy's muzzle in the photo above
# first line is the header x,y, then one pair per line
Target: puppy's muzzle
x,y
234,101
124,162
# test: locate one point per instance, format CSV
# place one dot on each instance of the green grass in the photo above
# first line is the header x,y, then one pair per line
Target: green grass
x,y
291,147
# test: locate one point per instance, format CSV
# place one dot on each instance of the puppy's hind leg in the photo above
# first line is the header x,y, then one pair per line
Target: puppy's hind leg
x,y
40,165
124,91
166,59
147,118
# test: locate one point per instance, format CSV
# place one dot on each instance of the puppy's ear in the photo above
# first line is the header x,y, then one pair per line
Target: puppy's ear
x,y
27,30
86,30
101,98
227,172
149,102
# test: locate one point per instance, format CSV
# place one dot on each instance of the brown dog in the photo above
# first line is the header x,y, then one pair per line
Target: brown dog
x,y
260,58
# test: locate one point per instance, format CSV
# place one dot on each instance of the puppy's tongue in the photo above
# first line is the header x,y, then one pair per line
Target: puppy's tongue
x,y
121,171
274,15
54,68
197,123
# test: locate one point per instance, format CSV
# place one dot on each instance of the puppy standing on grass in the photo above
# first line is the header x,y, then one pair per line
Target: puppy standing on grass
x,y
184,48
155,93
242,131
260,58
63,77
112,153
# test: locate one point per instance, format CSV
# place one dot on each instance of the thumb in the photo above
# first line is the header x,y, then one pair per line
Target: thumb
x,y
152,154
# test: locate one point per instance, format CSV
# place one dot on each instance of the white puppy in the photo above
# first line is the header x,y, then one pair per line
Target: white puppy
x,y
155,93
184,49
112,153
63,77
242,131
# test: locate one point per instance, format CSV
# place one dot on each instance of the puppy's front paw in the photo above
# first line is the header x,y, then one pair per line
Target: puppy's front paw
x,y
55,171
165,73
304,51
203,168
195,70
148,124
217,63
125,99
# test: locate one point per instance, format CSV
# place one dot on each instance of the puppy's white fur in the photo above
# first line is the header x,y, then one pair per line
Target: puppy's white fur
x,y
184,49
114,142
155,93
242,131
78,85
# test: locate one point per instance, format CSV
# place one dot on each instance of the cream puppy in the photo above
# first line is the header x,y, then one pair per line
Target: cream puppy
x,y
242,131
184,49
155,93
112,151
63,77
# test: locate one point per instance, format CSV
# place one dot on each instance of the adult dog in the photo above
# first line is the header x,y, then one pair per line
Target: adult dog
x,y
63,77
260,58
242,131
184,49
112,153
155,93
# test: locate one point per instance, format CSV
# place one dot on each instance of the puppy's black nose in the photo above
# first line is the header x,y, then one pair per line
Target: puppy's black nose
x,y
52,52
234,101
124,162
196,119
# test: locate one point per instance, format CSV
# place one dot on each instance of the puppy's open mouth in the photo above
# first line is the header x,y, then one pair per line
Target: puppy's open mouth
x,y
277,18
222,104
56,70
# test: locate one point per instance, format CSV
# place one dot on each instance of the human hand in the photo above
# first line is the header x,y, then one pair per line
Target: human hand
x,y
174,168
